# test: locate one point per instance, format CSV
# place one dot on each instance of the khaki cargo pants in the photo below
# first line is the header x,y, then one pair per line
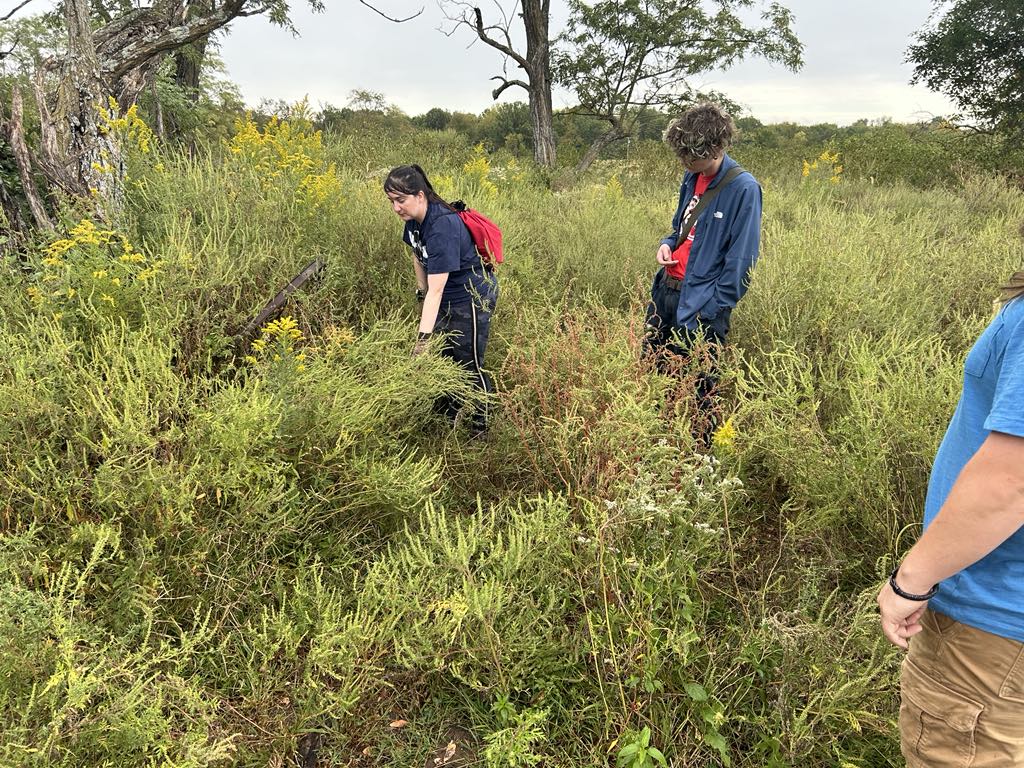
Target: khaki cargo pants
x,y
962,698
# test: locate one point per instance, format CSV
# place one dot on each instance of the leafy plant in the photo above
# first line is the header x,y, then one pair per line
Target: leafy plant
x,y
638,752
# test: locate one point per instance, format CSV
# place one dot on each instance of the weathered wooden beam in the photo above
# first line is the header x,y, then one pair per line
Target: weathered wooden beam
x,y
277,303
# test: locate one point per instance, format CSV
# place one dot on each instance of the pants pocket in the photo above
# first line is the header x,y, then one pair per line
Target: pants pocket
x,y
943,625
1012,688
937,723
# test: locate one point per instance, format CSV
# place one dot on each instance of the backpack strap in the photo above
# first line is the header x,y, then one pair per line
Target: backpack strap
x,y
705,201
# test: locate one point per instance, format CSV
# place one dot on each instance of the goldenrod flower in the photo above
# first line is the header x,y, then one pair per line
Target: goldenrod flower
x,y
725,436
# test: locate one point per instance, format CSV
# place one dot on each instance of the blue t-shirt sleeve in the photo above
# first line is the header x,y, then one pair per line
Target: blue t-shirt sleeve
x,y
443,245
1007,414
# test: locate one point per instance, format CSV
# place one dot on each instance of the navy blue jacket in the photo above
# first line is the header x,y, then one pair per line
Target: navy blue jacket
x,y
725,247
442,244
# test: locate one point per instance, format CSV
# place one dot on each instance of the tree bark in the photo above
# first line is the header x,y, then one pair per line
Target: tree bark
x,y
188,66
537,66
91,149
51,161
120,59
15,222
536,19
22,158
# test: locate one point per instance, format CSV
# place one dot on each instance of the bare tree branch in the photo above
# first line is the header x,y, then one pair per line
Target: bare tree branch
x,y
136,52
17,8
379,12
481,32
506,84
9,51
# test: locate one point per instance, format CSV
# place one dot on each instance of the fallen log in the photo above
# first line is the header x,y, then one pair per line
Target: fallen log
x,y
276,304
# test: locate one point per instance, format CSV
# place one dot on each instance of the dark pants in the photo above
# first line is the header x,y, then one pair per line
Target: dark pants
x,y
466,327
684,353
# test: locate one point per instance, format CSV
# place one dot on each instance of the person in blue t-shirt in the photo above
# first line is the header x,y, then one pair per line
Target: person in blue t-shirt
x,y
458,290
957,599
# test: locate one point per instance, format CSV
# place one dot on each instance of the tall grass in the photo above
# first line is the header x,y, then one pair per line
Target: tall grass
x,y
216,553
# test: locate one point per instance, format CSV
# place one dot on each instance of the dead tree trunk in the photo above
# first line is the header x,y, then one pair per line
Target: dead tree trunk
x,y
536,63
16,139
91,149
77,152
536,18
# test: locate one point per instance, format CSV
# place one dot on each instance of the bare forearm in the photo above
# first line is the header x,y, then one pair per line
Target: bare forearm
x,y
421,276
984,508
431,306
432,302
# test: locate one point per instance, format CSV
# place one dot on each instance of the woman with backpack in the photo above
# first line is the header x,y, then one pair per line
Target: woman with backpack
x,y
458,289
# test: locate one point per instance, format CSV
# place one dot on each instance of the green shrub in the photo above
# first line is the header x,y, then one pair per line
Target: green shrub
x,y
217,550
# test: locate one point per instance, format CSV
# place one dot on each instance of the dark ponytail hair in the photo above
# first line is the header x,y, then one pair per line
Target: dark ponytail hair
x,y
411,180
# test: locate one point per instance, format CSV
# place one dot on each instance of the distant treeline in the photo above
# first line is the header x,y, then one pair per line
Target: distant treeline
x,y
922,153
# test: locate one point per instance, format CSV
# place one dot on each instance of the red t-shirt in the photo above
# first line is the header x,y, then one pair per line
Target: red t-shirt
x,y
682,253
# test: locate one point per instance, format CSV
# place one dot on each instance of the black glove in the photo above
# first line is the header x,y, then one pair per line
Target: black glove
x,y
422,342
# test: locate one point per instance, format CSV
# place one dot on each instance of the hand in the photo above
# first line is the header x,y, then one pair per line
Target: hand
x,y
901,619
665,256
421,345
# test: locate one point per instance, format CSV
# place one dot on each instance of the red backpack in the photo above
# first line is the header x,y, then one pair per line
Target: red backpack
x,y
484,232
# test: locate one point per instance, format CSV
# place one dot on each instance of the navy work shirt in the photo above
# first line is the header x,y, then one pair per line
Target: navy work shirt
x,y
442,244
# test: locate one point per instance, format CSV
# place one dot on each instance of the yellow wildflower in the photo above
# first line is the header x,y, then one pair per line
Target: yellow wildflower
x,y
725,436
479,170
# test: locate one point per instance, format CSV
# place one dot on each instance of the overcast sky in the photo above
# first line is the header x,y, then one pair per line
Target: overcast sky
x,y
853,62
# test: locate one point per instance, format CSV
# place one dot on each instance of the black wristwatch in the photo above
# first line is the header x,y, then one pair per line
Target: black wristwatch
x,y
420,294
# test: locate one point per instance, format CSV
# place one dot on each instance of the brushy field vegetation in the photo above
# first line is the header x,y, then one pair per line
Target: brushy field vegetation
x,y
271,555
